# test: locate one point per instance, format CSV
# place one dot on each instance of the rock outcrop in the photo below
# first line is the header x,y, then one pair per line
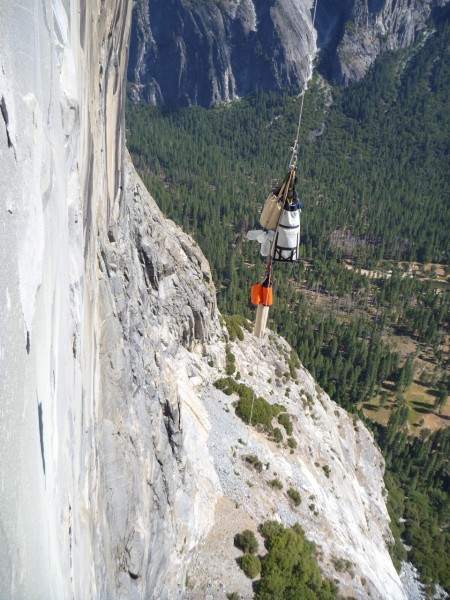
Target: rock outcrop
x,y
336,468
203,53
156,483
198,52
372,27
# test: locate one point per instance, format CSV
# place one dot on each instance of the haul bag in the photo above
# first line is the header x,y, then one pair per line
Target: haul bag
x,y
287,240
262,295
271,212
273,206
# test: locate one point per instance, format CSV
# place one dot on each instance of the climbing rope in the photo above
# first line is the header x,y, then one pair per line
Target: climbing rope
x,y
294,148
251,415
284,194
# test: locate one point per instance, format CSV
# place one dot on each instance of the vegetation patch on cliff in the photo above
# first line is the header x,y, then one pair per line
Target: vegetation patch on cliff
x,y
261,412
288,569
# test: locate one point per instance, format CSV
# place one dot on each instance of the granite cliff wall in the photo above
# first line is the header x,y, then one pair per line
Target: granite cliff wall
x,y
62,143
373,27
203,53
197,52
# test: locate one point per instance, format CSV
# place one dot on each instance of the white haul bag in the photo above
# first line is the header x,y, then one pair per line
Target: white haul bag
x,y
287,240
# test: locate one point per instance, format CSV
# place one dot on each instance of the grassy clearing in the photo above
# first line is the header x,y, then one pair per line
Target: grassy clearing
x,y
420,400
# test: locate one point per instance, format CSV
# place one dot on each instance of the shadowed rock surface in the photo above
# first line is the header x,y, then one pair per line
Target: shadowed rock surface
x,y
198,52
375,26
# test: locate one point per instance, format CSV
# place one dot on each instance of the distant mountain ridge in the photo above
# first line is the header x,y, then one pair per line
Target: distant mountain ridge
x,y
186,52
206,52
374,26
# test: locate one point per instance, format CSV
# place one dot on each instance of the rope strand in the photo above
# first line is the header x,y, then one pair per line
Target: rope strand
x,y
294,149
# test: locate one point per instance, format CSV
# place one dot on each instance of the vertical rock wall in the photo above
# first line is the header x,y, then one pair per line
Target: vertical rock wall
x,y
105,480
204,53
363,29
61,145
208,52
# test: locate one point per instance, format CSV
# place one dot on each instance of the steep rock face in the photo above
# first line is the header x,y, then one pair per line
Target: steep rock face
x,y
156,483
195,52
104,485
61,152
335,467
200,52
372,27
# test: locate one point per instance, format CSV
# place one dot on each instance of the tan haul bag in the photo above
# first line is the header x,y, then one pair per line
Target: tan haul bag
x,y
271,212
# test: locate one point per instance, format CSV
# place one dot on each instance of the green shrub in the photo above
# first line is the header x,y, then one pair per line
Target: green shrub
x,y
262,411
285,420
246,541
230,361
254,461
292,443
233,596
234,324
294,495
326,470
342,565
289,569
251,565
229,386
294,364
221,384
277,436
277,409
276,483
271,529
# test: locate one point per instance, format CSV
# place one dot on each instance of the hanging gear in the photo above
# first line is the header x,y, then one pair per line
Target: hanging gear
x,y
264,238
280,214
287,238
271,213
262,293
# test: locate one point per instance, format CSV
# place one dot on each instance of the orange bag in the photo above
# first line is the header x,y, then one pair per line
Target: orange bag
x,y
266,295
262,295
256,293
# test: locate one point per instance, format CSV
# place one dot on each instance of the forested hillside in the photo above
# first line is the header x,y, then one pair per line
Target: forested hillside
x,y
368,316
374,180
